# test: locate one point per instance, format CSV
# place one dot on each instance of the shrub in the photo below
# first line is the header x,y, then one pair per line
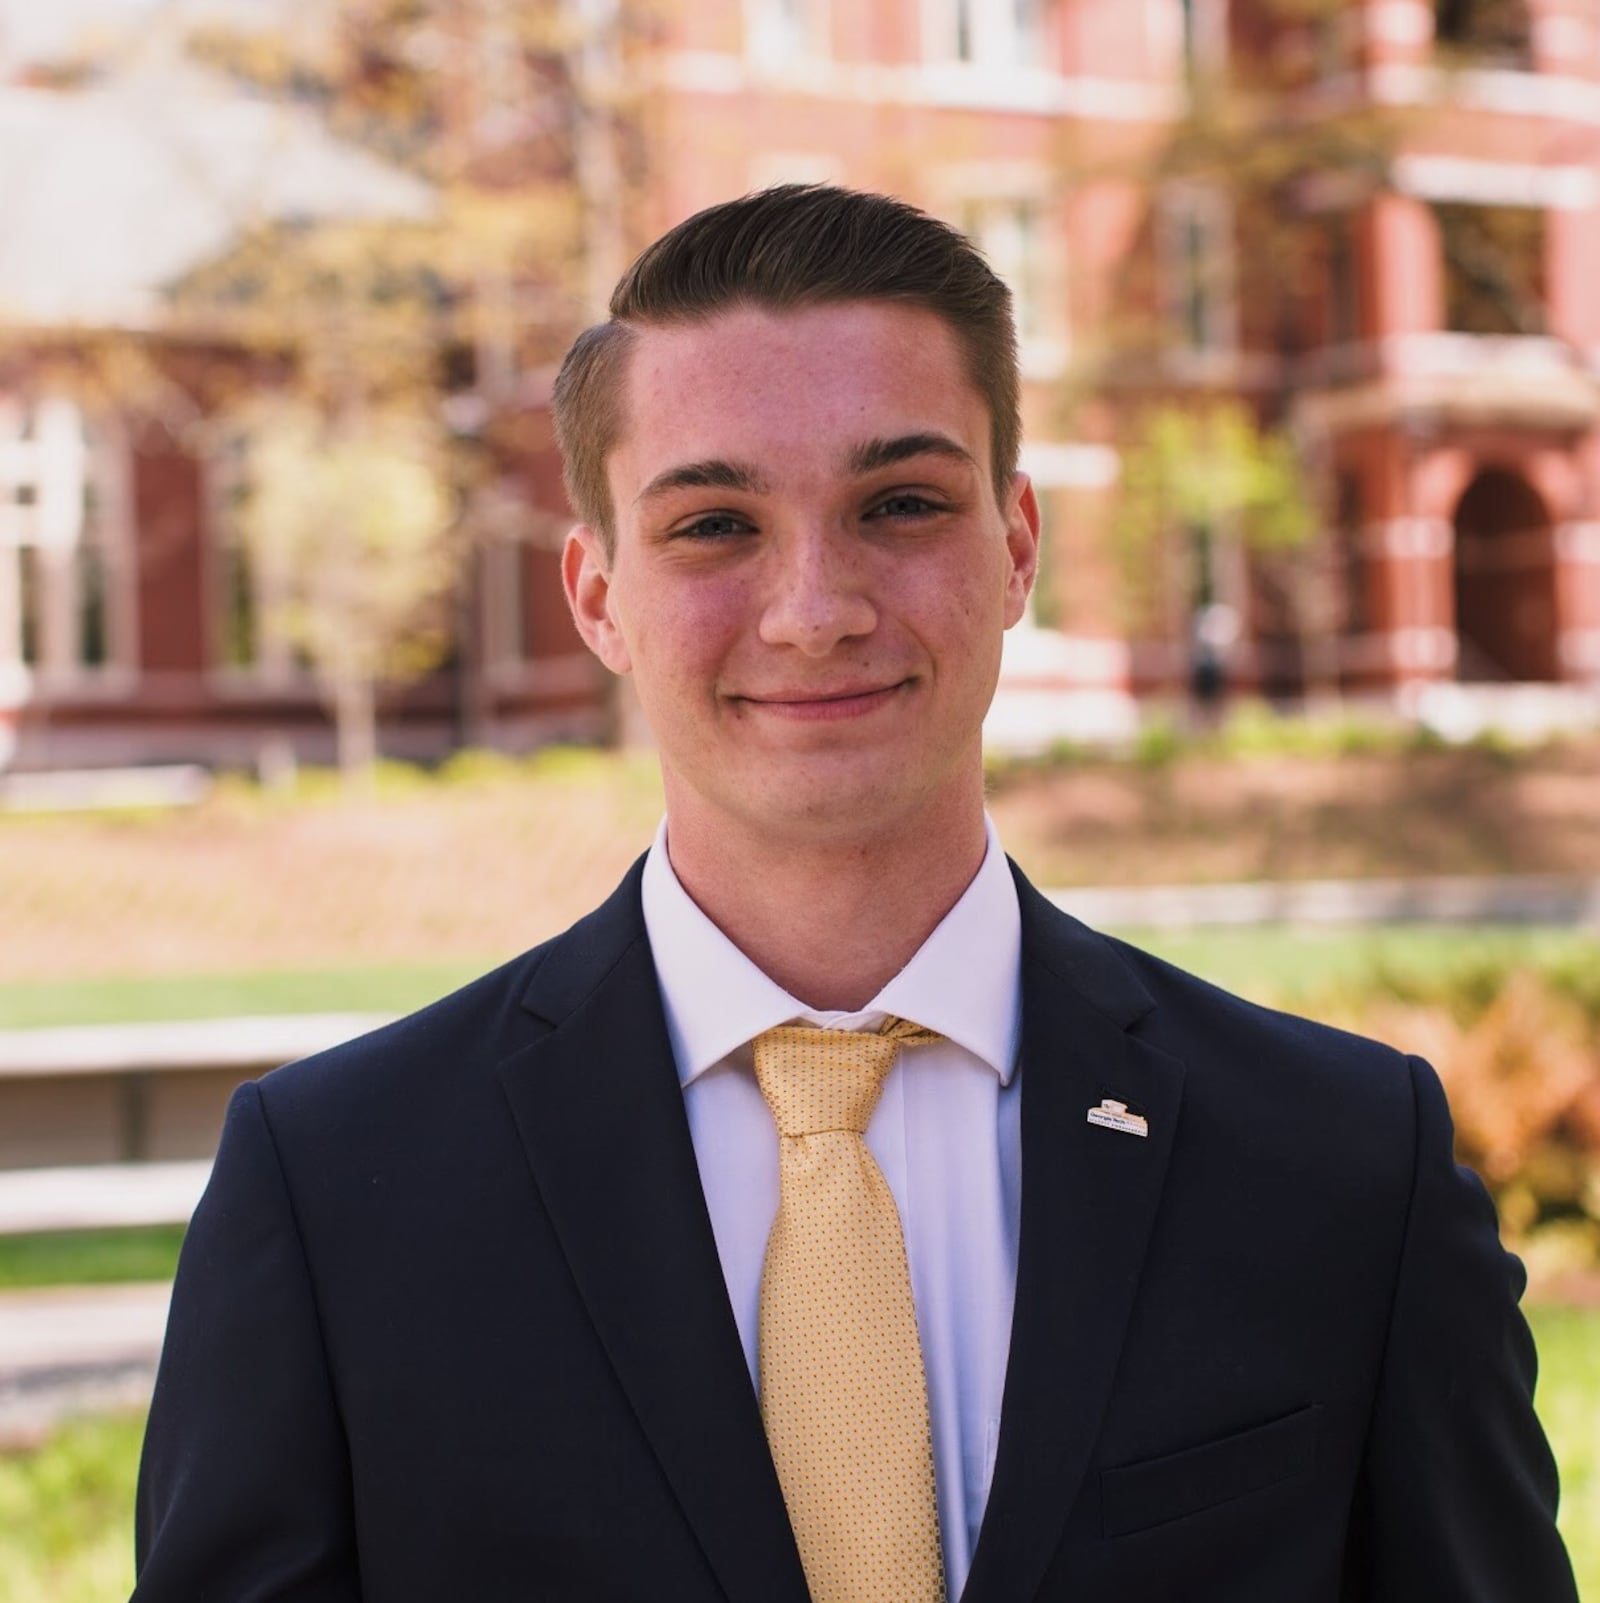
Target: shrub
x,y
1518,1052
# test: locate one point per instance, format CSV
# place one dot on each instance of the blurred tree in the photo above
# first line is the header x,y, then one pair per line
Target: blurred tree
x,y
357,528
1239,263
1197,479
514,114
1236,258
1260,150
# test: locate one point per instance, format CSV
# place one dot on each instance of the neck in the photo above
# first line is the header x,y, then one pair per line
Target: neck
x,y
830,920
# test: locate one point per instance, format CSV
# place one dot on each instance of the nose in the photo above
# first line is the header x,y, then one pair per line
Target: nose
x,y
819,594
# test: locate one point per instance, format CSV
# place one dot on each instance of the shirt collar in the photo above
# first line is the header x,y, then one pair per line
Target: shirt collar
x,y
963,981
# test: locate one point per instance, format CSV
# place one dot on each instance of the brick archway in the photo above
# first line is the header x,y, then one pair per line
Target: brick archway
x,y
1505,581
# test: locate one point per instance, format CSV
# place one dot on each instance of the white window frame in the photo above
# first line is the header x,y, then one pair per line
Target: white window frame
x,y
1187,38
998,205
505,614
999,35
51,458
780,33
1183,209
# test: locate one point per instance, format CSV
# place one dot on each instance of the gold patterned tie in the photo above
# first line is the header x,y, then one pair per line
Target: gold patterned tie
x,y
843,1391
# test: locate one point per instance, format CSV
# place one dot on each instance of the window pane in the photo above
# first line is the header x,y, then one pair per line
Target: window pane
x,y
1028,27
1344,290
1196,309
28,586
93,646
239,641
1007,232
1348,519
1189,14
964,30
521,612
1487,32
1493,268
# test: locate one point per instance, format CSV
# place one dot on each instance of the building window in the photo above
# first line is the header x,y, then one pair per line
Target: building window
x,y
780,32
66,604
1494,271
507,604
985,33
244,590
1486,33
1196,243
1349,536
1008,234
1188,38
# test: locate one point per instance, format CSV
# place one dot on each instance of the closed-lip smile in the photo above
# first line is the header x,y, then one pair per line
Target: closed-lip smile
x,y
844,701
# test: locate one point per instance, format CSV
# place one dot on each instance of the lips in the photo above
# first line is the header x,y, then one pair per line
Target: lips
x,y
842,701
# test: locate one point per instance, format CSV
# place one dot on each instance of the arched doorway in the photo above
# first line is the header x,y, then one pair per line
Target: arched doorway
x,y
1505,581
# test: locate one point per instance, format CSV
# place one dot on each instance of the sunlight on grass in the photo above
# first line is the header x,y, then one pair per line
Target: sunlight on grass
x,y
1277,965
1569,1405
90,1257
1269,964
66,1515
396,989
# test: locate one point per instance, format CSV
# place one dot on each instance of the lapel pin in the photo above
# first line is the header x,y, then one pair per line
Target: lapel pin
x,y
1114,1115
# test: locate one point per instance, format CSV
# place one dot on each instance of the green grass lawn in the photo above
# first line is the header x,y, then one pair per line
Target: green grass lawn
x,y
1268,963
90,1257
1569,1405
66,1508
396,989
1274,964
66,1515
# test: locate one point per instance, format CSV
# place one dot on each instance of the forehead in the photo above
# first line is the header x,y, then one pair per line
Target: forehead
x,y
751,382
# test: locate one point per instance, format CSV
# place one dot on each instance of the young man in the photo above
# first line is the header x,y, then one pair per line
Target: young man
x,y
827,1213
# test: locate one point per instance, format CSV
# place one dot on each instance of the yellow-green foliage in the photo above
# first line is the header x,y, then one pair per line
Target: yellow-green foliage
x,y
1518,1052
1211,467
351,523
66,1528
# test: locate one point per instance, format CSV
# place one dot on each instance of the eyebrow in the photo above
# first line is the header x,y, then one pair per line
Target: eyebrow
x,y
874,454
717,473
713,474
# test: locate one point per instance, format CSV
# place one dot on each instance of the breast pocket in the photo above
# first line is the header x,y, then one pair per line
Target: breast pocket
x,y
1134,1497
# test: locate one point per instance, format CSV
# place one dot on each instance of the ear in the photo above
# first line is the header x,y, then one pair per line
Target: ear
x,y
586,578
1022,546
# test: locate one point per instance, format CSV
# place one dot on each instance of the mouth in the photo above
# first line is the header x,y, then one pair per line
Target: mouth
x,y
820,706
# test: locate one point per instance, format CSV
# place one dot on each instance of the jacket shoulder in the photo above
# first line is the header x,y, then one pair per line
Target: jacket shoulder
x,y
472,1029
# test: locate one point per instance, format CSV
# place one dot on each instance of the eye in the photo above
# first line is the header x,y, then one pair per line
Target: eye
x,y
712,526
905,504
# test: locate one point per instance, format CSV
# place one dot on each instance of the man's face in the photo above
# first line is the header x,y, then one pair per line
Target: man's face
x,y
810,576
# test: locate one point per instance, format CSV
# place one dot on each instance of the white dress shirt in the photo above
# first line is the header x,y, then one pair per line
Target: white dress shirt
x,y
946,1134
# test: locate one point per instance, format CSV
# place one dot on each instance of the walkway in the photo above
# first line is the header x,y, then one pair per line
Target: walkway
x,y
76,1350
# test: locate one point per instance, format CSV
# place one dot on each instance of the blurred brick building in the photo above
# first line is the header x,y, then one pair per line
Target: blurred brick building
x,y
1433,345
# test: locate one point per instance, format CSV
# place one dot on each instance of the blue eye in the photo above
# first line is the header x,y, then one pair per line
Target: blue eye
x,y
904,506
713,526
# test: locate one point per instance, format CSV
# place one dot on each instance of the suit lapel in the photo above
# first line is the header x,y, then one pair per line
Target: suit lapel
x,y
600,1112
1089,1199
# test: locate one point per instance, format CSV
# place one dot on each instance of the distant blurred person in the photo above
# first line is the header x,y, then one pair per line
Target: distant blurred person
x,y
828,1215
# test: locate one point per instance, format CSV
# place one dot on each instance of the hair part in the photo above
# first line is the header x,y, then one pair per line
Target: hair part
x,y
796,245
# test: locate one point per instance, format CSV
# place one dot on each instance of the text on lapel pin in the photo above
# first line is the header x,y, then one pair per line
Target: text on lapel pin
x,y
1114,1115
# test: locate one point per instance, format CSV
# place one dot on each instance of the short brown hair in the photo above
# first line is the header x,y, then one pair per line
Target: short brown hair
x,y
791,246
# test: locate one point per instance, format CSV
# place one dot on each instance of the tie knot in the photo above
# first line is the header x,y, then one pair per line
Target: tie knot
x,y
816,1080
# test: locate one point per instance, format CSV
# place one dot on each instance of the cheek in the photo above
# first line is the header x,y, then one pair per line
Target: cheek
x,y
680,634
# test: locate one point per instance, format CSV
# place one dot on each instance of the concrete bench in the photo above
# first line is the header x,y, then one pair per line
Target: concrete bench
x,y
99,1196
142,1093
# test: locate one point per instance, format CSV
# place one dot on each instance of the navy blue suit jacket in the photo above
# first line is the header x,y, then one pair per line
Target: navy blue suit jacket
x,y
450,1325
